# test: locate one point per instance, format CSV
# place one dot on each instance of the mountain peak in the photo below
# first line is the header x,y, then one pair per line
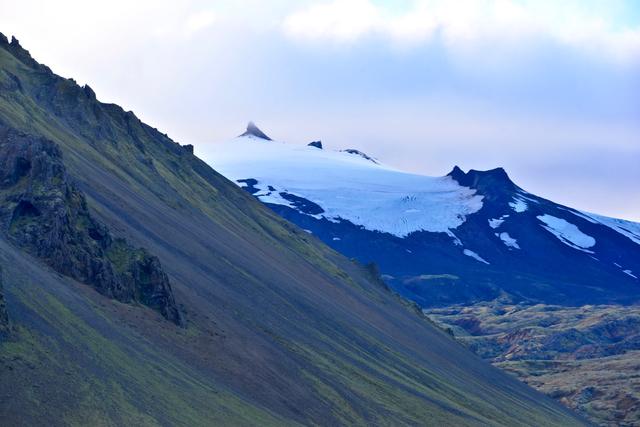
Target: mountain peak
x,y
457,174
497,175
19,52
490,183
253,130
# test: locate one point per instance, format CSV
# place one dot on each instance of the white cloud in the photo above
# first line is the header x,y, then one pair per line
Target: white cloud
x,y
467,23
491,101
199,21
342,20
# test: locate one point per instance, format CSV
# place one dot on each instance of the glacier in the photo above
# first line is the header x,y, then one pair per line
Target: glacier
x,y
347,185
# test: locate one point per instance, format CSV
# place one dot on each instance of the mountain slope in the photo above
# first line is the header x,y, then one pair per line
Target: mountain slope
x,y
460,238
280,330
44,214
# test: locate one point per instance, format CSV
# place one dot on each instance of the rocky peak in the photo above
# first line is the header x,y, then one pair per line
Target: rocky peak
x,y
254,131
18,51
457,174
43,213
489,183
89,92
317,144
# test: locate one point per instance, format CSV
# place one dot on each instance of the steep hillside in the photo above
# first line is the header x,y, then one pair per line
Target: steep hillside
x,y
277,328
44,214
461,238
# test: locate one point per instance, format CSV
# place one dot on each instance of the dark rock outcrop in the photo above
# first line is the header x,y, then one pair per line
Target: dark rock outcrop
x,y
253,130
302,204
359,153
317,144
494,184
19,52
42,212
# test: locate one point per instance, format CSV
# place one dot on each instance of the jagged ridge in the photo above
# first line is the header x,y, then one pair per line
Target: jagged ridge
x,y
493,184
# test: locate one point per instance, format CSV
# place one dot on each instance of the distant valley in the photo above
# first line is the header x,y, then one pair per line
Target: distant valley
x,y
586,357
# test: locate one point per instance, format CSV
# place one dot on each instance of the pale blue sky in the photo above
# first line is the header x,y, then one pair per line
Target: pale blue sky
x,y
549,90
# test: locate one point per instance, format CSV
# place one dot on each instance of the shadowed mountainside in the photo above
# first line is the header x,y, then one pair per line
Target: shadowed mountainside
x,y
280,329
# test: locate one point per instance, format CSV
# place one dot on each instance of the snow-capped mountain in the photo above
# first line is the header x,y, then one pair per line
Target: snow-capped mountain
x,y
458,238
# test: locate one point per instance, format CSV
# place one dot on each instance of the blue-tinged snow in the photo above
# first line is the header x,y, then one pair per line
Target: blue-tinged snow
x,y
567,233
518,204
474,255
508,240
626,228
497,222
347,186
579,214
526,196
456,241
625,271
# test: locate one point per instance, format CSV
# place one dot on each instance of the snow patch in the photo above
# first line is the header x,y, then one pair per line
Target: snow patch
x,y
630,273
336,239
508,240
580,215
456,241
626,228
528,197
567,233
518,204
474,255
273,197
497,222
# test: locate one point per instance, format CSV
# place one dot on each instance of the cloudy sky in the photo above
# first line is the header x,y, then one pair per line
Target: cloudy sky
x,y
549,90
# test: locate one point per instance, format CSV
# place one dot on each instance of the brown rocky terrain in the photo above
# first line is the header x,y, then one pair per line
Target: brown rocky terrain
x,y
586,357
